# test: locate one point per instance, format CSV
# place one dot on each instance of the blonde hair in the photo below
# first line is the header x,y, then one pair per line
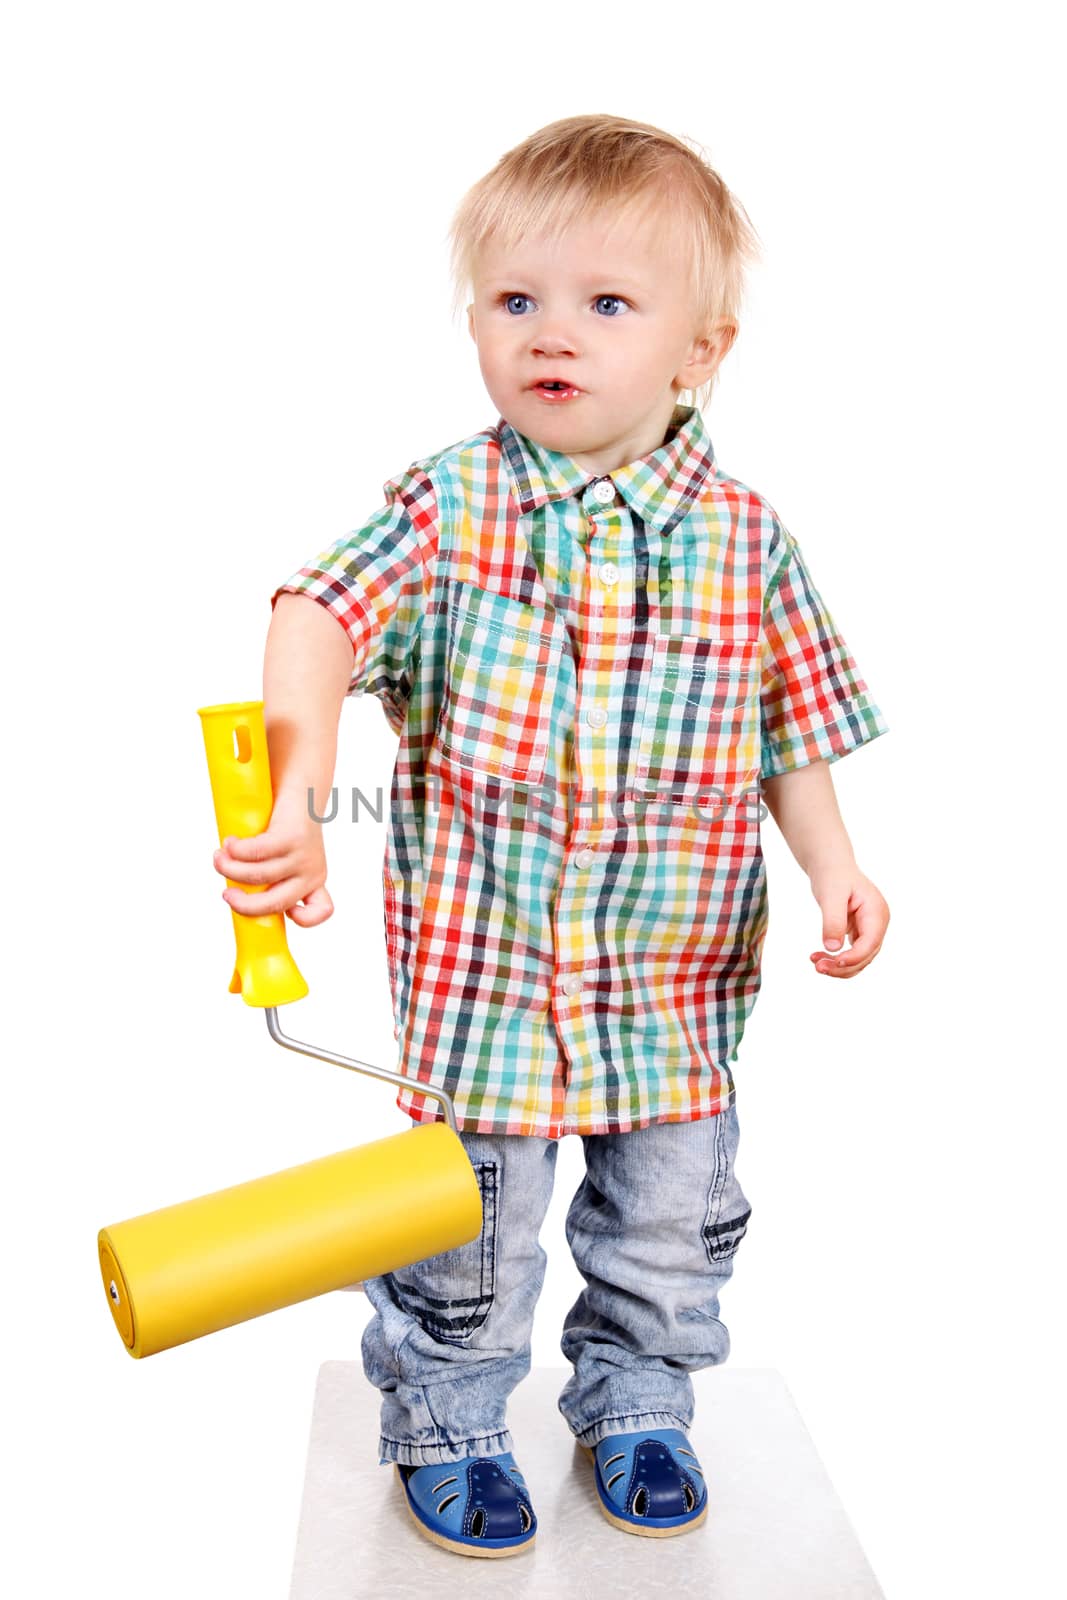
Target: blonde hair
x,y
570,170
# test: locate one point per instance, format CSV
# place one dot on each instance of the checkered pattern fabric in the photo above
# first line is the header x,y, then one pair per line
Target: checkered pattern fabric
x,y
588,677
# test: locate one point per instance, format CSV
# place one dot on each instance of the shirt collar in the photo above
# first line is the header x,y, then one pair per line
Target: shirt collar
x,y
660,486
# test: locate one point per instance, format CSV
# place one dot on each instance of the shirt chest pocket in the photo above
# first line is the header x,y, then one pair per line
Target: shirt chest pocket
x,y
502,685
699,726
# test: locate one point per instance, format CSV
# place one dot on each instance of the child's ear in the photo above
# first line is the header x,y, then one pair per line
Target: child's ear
x,y
709,351
470,322
728,336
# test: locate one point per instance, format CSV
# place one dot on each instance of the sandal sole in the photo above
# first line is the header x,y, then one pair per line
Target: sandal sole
x,y
646,1529
480,1548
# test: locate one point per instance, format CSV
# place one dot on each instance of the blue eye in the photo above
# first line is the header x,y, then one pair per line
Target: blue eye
x,y
505,299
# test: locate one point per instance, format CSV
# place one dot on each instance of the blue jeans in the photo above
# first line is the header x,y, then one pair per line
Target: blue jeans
x,y
653,1229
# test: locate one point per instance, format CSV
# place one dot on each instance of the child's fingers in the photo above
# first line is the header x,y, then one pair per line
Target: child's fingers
x,y
253,869
313,909
846,963
868,919
279,897
256,846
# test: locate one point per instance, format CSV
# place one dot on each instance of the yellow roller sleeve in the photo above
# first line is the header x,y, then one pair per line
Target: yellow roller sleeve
x,y
190,1269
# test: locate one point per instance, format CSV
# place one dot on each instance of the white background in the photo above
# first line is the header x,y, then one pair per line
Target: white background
x,y
226,324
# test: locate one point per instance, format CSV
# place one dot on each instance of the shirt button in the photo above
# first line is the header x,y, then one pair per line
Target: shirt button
x,y
597,718
608,573
585,858
572,985
604,491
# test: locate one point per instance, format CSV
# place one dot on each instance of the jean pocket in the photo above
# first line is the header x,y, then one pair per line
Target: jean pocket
x,y
450,1295
721,1239
727,1212
499,706
700,718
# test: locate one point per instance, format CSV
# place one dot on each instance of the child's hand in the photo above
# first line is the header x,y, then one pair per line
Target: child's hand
x,y
850,904
289,856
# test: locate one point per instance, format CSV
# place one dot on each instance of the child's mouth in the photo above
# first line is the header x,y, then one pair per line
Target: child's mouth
x,y
555,393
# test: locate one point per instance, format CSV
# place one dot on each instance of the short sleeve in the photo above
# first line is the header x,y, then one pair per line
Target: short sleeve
x,y
814,704
376,582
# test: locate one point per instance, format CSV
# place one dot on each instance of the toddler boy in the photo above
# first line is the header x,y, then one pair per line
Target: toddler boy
x,y
598,651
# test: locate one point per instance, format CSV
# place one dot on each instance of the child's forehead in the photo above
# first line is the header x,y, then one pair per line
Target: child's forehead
x,y
634,250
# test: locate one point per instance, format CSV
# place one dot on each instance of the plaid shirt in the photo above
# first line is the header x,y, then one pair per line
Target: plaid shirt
x,y
589,678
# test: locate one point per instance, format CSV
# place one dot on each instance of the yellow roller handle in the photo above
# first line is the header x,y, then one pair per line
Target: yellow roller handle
x,y
238,762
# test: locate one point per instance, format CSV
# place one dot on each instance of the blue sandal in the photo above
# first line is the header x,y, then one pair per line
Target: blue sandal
x,y
649,1482
478,1506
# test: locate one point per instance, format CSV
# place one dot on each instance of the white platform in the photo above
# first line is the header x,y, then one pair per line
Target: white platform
x,y
775,1529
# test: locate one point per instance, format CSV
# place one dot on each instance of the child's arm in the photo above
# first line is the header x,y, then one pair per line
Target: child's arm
x,y
804,805
307,669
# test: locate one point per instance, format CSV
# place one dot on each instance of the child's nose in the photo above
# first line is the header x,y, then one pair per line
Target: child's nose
x,y
557,341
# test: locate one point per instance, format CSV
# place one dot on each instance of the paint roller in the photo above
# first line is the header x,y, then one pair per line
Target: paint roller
x,y
190,1269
